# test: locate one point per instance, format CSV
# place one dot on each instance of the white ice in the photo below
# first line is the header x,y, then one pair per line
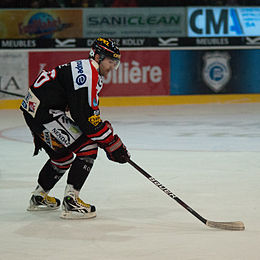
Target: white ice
x,y
208,155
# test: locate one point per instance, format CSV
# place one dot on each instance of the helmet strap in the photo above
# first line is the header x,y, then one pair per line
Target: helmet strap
x,y
101,57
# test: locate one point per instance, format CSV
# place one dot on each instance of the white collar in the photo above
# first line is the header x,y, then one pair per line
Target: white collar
x,y
95,64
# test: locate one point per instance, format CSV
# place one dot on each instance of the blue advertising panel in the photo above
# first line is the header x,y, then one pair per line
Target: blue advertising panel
x,y
223,21
214,72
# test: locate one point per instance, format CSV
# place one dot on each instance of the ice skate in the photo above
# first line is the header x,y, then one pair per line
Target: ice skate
x,y
40,201
74,208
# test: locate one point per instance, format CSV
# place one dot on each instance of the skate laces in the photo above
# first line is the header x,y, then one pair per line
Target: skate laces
x,y
81,202
49,199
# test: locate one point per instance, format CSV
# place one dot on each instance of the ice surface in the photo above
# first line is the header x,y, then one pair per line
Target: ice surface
x,y
208,155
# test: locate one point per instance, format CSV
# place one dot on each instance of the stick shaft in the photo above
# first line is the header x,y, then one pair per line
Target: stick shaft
x,y
10,93
235,225
167,191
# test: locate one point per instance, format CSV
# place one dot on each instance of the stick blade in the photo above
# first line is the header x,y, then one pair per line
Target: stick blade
x,y
236,225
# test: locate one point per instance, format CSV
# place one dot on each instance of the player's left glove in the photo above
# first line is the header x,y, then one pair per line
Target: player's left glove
x,y
112,144
116,151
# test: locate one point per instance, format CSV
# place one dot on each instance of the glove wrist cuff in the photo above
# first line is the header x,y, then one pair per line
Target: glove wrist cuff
x,y
114,146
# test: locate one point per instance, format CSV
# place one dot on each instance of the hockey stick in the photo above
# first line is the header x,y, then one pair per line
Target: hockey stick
x,y
10,93
236,225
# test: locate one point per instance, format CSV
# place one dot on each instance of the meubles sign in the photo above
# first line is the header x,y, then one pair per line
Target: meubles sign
x,y
134,22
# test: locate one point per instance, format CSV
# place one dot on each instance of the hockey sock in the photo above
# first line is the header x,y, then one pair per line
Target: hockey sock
x,y
79,171
49,176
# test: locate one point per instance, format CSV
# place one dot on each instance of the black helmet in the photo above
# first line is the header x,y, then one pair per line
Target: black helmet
x,y
105,47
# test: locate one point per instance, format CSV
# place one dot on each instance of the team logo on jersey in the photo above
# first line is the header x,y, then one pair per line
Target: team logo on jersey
x,y
216,72
94,120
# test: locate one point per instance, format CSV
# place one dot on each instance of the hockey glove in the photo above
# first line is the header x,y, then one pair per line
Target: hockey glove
x,y
116,151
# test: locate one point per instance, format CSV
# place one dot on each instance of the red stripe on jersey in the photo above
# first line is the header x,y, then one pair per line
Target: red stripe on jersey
x,y
84,144
94,97
61,166
107,140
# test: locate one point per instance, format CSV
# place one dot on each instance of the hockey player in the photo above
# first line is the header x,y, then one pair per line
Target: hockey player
x,y
71,142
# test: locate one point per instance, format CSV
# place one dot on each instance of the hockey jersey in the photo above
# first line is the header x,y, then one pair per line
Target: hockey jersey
x,y
74,86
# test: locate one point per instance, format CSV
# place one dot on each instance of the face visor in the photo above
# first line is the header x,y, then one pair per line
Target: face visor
x,y
115,58
116,62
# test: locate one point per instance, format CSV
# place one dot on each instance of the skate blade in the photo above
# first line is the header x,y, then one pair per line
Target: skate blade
x,y
38,208
77,215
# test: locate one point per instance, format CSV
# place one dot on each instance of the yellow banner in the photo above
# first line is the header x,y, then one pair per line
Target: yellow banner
x,y
40,23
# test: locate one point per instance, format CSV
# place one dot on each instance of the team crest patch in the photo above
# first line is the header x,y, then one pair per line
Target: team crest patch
x,y
31,103
94,120
32,106
216,72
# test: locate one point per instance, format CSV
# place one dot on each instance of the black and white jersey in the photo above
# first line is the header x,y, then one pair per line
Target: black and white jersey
x,y
74,86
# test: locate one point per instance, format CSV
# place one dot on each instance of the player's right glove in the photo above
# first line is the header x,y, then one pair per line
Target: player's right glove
x,y
116,151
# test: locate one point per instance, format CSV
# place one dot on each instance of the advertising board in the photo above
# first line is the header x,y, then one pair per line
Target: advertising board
x,y
214,72
13,73
140,73
223,21
134,22
40,23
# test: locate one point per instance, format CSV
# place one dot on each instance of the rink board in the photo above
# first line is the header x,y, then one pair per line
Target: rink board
x,y
160,100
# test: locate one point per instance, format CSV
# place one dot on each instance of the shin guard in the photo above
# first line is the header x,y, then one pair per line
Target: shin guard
x,y
79,171
49,176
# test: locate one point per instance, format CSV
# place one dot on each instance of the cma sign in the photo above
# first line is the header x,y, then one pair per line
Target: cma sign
x,y
212,22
